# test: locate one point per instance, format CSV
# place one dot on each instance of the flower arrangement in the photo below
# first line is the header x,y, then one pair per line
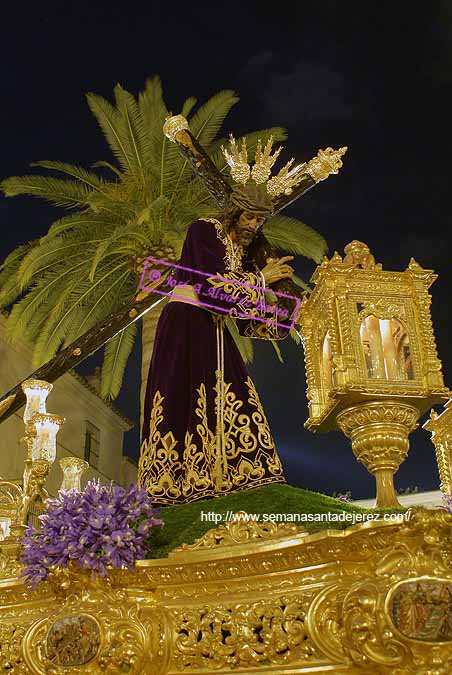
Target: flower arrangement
x,y
103,526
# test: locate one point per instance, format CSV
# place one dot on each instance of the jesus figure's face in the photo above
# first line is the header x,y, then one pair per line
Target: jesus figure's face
x,y
246,227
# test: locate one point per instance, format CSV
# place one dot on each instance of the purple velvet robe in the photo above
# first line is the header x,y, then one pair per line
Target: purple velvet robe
x,y
205,433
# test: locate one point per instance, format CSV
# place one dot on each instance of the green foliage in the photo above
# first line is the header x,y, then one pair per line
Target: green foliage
x,y
87,264
184,524
293,236
116,354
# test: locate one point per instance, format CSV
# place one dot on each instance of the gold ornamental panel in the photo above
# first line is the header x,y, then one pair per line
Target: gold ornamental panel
x,y
374,599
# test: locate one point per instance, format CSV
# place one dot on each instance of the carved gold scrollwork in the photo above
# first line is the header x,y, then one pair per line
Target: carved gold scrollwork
x,y
325,620
267,632
240,530
383,308
367,637
10,566
126,639
11,497
11,658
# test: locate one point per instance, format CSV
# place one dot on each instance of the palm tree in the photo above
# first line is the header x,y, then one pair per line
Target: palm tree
x,y
89,262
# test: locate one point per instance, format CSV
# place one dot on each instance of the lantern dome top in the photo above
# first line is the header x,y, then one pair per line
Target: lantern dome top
x,y
358,254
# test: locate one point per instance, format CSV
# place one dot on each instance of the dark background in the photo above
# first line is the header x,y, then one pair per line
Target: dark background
x,y
373,76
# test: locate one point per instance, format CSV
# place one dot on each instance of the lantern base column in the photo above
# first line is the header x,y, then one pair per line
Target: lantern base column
x,y
379,435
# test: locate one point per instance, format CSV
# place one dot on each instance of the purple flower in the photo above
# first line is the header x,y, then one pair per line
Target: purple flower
x,y
347,497
105,525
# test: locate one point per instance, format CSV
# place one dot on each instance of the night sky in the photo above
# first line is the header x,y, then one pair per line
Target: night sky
x,y
373,76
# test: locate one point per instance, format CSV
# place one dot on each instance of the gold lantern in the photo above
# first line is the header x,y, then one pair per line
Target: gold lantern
x,y
440,427
371,362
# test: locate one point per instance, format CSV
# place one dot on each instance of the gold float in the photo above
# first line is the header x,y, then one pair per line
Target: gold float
x,y
375,599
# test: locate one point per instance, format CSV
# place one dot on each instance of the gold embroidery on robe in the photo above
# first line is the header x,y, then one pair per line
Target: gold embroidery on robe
x,y
244,290
251,303
233,252
266,330
158,455
250,451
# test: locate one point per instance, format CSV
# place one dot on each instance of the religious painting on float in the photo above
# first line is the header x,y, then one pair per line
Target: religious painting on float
x,y
422,610
73,641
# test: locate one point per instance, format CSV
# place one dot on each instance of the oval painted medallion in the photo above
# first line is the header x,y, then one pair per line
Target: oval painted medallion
x,y
422,610
73,640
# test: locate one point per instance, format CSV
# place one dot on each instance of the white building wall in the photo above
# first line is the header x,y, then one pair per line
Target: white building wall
x,y
72,399
429,500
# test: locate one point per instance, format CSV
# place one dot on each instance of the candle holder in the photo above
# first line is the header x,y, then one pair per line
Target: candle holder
x,y
46,427
11,502
36,392
73,469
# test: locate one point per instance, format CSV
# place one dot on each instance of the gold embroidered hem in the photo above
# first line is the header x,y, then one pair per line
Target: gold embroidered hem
x,y
250,459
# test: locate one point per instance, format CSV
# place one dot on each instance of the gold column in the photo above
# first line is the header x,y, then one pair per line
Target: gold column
x,y
376,347
390,354
379,434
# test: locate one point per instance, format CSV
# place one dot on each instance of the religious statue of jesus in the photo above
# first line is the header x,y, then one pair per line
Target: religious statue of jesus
x,y
205,433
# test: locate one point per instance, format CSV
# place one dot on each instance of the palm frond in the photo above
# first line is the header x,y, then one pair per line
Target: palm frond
x,y
9,291
189,104
290,234
153,211
129,232
107,165
301,283
153,111
64,193
112,124
151,104
244,344
55,300
294,334
74,221
117,352
207,121
9,285
139,143
87,177
13,259
49,254
58,327
38,328
109,297
277,350
23,311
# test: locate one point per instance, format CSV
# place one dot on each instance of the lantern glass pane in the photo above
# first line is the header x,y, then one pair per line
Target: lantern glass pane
x,y
386,348
328,377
